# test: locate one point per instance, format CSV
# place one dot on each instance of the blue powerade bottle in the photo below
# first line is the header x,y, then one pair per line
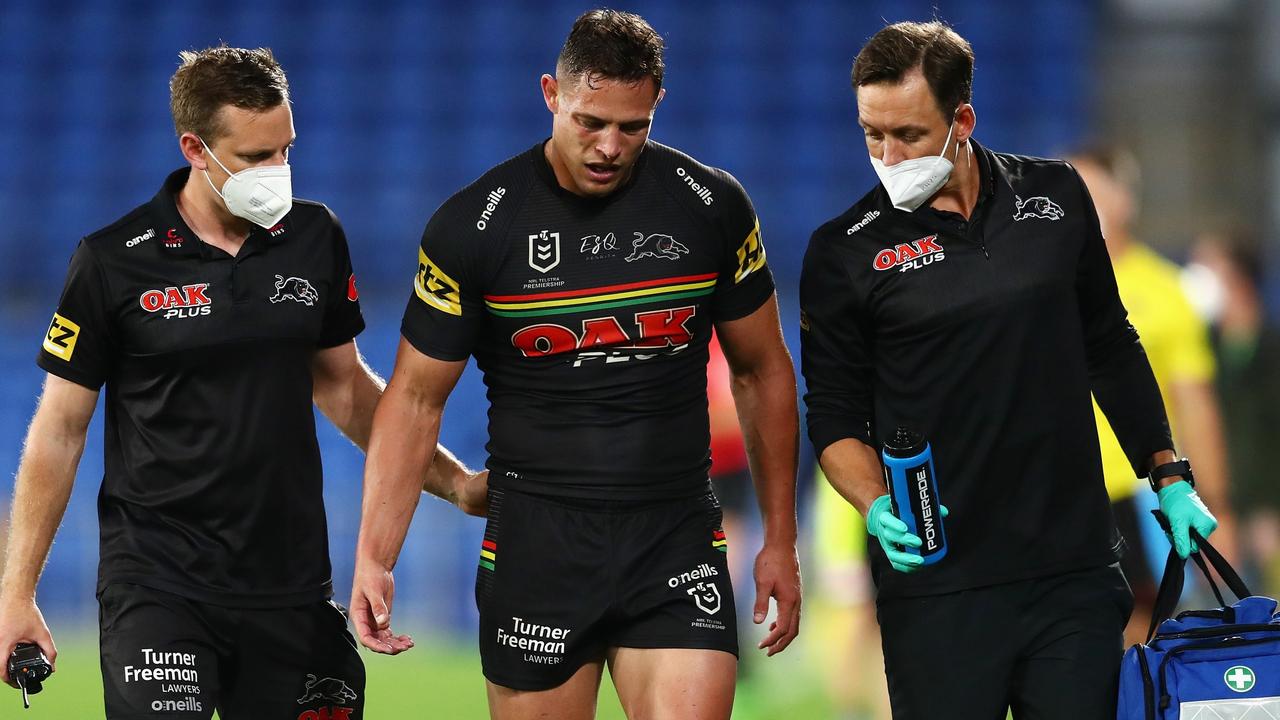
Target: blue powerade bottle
x,y
913,485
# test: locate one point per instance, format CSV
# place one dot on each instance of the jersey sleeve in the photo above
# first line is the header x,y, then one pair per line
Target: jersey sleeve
x,y
1119,371
446,310
745,282
78,343
342,317
836,352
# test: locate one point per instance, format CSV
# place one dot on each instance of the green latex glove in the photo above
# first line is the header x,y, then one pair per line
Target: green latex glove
x,y
893,536
1184,508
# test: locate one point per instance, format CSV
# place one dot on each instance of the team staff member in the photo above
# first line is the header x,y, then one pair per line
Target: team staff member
x,y
1176,342
969,297
215,315
585,276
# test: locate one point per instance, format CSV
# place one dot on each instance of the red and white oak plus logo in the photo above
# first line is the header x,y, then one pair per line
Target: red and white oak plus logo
x,y
186,301
910,256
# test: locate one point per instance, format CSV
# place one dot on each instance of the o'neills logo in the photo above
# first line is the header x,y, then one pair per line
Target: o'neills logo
x,y
865,221
491,204
702,571
910,256
698,188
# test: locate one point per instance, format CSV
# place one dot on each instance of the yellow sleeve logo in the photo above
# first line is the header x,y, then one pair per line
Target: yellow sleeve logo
x,y
750,255
435,288
60,341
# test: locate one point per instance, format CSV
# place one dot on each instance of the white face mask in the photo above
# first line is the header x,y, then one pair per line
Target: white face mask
x,y
911,182
261,195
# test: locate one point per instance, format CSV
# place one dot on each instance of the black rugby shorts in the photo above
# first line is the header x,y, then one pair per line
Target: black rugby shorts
x,y
560,581
164,656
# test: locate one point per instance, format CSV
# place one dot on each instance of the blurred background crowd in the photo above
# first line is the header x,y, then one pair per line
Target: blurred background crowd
x,y
1171,109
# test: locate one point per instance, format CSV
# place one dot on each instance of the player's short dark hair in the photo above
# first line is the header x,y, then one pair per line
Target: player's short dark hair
x,y
609,44
944,58
207,80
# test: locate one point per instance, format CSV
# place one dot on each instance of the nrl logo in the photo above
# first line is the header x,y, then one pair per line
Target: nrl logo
x,y
1037,207
706,596
544,251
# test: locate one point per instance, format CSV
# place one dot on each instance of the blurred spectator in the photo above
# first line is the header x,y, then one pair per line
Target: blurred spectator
x,y
1177,345
1225,279
843,607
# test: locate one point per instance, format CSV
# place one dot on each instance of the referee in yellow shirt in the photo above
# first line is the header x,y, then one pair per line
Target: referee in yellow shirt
x,y
1177,345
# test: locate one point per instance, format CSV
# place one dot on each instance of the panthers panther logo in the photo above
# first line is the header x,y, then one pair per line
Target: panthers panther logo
x,y
1037,207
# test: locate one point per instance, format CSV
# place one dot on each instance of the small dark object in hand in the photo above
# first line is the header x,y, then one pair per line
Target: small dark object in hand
x,y
29,668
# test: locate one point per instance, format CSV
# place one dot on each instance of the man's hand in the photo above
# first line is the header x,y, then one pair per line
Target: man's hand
x,y
471,493
1185,510
21,621
371,596
777,574
893,536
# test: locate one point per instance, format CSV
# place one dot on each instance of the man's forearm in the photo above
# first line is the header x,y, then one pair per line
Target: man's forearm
x,y
765,401
1199,430
43,487
853,469
401,450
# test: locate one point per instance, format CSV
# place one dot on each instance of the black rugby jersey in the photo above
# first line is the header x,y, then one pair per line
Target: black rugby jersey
x,y
987,336
212,485
590,317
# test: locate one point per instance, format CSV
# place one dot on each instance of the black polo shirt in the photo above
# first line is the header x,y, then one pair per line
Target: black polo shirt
x,y
987,336
212,485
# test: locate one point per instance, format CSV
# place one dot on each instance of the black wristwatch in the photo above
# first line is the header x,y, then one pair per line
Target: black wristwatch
x,y
1181,467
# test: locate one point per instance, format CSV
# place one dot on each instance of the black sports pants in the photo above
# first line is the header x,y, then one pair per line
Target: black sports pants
x,y
1049,648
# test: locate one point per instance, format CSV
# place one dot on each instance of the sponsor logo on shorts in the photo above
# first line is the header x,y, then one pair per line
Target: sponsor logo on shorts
x,y
542,644
333,691
296,289
185,302
704,592
174,674
60,340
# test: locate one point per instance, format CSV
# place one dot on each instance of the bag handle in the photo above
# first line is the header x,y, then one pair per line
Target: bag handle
x,y
1175,575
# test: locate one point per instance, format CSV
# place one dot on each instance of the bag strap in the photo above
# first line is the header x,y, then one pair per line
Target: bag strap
x,y
1171,582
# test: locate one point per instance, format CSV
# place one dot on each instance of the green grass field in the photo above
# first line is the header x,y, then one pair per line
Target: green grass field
x,y
432,682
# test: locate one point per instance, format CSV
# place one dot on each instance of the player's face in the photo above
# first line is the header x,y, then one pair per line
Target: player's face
x,y
599,128
902,121
252,138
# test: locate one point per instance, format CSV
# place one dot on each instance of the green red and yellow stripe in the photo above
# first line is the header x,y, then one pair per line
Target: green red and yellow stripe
x,y
488,554
719,541
601,298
